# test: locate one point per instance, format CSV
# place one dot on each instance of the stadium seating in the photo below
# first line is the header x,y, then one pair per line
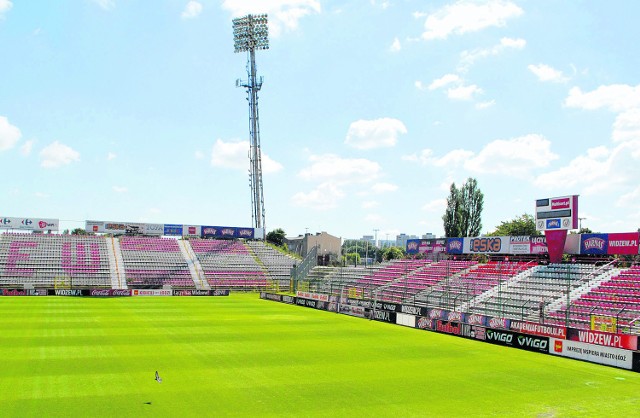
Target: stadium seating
x,y
229,264
37,260
278,265
155,262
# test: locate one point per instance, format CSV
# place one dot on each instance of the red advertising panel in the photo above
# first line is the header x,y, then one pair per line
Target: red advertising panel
x,y
542,330
627,342
623,243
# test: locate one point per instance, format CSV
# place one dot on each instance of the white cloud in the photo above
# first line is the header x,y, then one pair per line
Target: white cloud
x,y
437,205
9,134
283,14
105,4
343,170
5,6
192,10
56,155
111,156
627,126
370,204
444,80
384,4
120,189
235,155
485,105
27,147
466,16
464,92
515,157
467,58
615,97
601,170
378,133
323,197
395,45
383,188
547,73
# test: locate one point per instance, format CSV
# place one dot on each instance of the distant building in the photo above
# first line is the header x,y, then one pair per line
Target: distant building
x,y
429,235
328,245
401,240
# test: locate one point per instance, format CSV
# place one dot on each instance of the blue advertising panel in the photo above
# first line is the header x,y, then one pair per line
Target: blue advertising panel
x,y
455,245
594,243
227,232
170,229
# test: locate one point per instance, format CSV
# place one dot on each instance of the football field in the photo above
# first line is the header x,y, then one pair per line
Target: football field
x,y
242,356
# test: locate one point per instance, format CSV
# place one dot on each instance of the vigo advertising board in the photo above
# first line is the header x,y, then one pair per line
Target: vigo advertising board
x,y
517,340
609,356
30,224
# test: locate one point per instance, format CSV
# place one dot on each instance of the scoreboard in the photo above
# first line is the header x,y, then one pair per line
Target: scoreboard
x,y
557,213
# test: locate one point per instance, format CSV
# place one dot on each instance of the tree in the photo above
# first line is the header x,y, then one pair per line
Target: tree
x,y
522,225
276,237
463,215
392,253
80,231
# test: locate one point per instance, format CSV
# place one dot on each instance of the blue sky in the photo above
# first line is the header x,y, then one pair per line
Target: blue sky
x,y
127,110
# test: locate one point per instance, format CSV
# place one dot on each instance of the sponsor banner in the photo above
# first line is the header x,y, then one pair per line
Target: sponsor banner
x,y
151,292
357,302
219,292
627,342
623,243
116,228
609,356
531,328
438,314
358,311
475,319
384,316
425,323
455,316
474,331
499,323
312,303
191,292
270,296
447,327
68,292
539,245
455,245
500,337
227,232
172,230
191,230
387,306
594,243
426,246
285,298
406,320
413,310
531,343
520,245
153,229
15,292
110,292
636,362
29,224
604,323
486,245
315,296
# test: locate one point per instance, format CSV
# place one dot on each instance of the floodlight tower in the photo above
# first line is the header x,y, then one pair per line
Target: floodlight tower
x,y
251,33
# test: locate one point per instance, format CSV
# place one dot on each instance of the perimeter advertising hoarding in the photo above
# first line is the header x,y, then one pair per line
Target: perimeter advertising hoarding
x,y
627,342
151,292
625,243
517,340
539,245
30,224
227,232
609,356
173,230
426,246
384,316
315,296
270,296
542,330
604,323
520,245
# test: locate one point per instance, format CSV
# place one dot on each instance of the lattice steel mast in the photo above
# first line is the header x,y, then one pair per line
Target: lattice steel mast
x,y
251,33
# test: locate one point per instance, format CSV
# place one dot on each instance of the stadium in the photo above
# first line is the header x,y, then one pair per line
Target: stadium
x,y
136,319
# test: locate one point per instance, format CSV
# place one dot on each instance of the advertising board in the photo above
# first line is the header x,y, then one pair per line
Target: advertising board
x,y
29,224
609,356
627,342
151,292
625,243
520,244
531,328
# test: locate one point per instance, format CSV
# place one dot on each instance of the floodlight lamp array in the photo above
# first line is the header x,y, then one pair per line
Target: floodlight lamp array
x,y
251,32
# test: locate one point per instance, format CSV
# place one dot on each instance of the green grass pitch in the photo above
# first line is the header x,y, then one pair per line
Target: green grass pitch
x,y
242,356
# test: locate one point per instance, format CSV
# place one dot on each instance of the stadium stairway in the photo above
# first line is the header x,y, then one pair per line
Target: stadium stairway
x,y
116,264
197,273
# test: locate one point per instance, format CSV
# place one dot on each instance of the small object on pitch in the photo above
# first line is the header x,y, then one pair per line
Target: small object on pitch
x,y
158,378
